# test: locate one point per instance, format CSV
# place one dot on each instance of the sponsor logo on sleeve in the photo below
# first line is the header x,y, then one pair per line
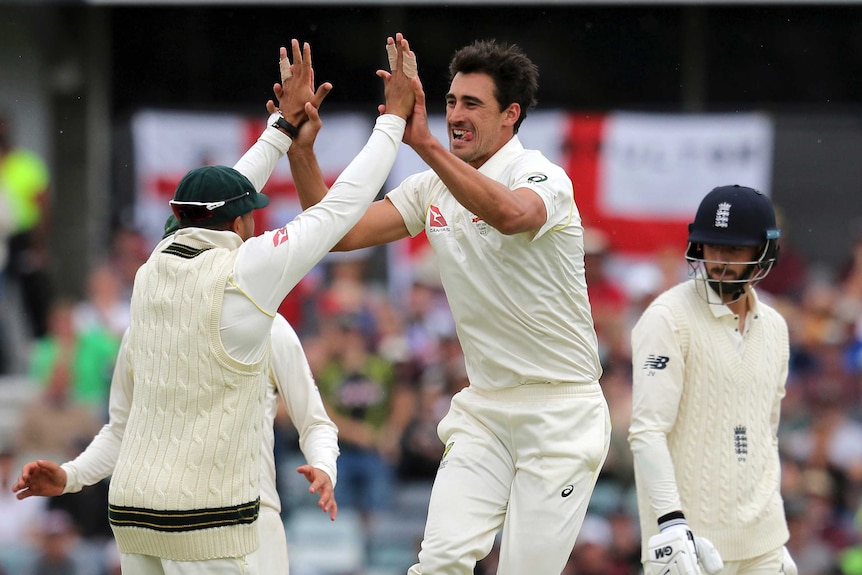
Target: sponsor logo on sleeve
x,y
279,237
655,363
436,221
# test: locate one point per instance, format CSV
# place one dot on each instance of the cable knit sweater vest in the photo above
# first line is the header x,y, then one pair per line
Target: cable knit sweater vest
x,y
724,449
186,485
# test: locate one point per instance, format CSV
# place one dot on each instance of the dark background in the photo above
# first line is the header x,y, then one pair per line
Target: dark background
x,y
595,57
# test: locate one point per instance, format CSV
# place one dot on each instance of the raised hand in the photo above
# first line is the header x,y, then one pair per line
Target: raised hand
x,y
417,131
400,89
297,85
408,60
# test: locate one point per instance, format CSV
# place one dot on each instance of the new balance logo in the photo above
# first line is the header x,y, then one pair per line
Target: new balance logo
x,y
656,362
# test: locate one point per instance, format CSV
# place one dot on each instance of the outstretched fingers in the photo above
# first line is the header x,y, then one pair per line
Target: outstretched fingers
x,y
297,87
297,54
400,56
284,64
322,91
323,487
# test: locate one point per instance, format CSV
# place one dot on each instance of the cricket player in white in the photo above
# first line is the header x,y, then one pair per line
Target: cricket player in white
x,y
525,441
186,499
289,378
710,361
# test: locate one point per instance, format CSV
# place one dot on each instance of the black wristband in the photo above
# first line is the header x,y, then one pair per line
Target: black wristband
x,y
291,130
672,518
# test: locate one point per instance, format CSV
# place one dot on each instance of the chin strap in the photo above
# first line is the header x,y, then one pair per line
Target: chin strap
x,y
735,289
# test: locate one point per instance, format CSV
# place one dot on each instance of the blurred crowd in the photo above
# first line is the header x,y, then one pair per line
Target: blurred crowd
x,y
387,365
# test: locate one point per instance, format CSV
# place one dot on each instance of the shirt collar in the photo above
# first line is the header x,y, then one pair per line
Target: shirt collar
x,y
502,158
201,237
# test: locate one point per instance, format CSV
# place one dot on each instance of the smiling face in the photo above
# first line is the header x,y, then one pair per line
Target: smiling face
x,y
477,127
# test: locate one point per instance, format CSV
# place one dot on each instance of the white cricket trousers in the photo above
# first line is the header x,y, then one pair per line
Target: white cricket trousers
x,y
272,554
269,559
134,564
771,563
524,459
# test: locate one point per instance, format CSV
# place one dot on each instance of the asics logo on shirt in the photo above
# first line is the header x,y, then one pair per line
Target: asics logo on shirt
x,y
567,491
536,178
656,362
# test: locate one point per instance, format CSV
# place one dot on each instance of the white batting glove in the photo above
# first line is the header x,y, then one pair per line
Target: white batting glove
x,y
708,556
672,552
705,552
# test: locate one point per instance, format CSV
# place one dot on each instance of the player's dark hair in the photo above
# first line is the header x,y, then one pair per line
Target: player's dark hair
x,y
516,78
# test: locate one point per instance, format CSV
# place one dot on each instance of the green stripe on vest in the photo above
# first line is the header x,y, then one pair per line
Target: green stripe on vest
x,y
184,251
183,520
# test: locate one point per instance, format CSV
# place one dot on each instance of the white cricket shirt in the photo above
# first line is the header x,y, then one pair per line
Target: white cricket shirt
x,y
520,301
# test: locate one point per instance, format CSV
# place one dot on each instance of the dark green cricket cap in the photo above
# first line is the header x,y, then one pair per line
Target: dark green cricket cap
x,y
214,195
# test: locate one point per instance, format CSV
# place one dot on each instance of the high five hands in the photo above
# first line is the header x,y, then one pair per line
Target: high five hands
x,y
296,92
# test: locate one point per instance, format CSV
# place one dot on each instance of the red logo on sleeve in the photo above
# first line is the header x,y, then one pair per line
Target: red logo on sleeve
x,y
279,237
437,220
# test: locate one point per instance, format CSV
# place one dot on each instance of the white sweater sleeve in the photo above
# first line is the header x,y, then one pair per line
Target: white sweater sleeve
x,y
258,163
318,435
270,265
97,461
658,373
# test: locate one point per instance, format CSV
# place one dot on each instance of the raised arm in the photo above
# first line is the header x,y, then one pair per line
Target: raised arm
x,y
381,223
271,264
258,163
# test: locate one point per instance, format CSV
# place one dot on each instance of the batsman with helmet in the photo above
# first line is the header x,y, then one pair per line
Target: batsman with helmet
x,y
710,362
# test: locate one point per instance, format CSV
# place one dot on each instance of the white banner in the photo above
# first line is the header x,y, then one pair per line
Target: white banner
x,y
661,165
169,144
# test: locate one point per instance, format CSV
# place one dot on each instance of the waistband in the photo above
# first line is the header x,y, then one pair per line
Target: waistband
x,y
174,520
540,390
